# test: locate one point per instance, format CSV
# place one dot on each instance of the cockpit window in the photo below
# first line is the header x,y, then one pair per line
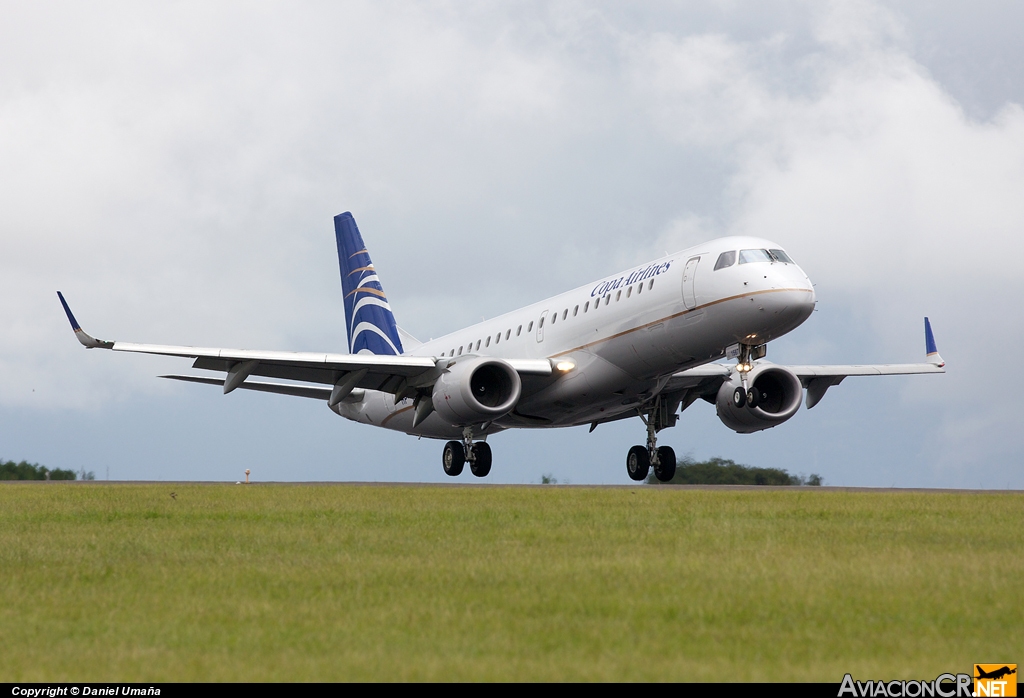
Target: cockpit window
x,y
726,259
781,256
750,256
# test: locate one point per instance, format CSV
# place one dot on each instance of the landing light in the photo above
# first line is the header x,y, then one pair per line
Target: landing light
x,y
565,366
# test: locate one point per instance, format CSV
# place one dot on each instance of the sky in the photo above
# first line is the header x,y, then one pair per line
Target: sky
x,y
174,169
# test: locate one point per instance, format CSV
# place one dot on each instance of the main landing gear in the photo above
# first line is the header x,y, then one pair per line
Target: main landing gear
x,y
456,453
640,459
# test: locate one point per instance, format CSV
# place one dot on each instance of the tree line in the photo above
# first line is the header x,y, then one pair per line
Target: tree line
x,y
722,471
9,470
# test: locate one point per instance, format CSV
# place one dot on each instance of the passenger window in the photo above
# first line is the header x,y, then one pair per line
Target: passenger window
x,y
565,313
529,327
650,285
519,330
750,256
618,295
726,259
608,299
497,338
586,306
554,318
575,310
478,345
640,288
541,322
488,342
629,292
508,333
781,256
460,351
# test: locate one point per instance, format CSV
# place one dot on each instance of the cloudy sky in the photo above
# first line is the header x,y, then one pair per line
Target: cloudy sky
x,y
174,169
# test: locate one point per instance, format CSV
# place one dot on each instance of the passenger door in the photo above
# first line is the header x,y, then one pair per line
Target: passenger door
x,y
689,291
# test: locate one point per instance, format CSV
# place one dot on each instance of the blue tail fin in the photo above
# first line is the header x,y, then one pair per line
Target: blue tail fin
x,y
371,325
930,349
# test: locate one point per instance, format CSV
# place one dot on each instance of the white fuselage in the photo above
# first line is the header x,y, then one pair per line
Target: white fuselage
x,y
626,334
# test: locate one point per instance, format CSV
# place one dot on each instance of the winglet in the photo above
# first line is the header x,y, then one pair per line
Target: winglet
x,y
86,340
929,345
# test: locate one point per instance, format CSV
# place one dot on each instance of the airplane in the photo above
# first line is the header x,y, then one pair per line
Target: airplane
x,y
995,674
644,342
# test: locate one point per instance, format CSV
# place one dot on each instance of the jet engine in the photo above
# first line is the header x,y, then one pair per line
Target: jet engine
x,y
777,396
476,390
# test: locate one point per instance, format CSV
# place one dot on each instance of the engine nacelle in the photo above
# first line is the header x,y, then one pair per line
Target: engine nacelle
x,y
779,396
476,390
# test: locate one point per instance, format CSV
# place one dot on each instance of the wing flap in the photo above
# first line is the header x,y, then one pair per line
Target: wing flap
x,y
309,391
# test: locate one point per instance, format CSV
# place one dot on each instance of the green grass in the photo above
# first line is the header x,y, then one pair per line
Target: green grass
x,y
322,583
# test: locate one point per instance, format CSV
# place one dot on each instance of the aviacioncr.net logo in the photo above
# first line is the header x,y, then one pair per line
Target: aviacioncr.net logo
x,y
995,680
944,686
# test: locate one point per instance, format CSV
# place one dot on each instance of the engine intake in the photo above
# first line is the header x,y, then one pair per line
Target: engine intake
x,y
779,393
476,390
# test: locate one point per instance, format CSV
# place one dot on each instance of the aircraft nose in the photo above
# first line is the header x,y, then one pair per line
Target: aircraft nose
x,y
791,277
803,282
792,300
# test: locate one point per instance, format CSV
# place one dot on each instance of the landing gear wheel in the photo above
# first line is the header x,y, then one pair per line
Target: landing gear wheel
x,y
666,467
753,397
481,464
739,398
453,458
638,463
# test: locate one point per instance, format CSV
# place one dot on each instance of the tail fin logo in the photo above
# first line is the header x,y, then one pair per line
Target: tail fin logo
x,y
370,323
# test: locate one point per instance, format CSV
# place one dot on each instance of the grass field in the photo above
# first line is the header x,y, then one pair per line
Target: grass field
x,y
294,582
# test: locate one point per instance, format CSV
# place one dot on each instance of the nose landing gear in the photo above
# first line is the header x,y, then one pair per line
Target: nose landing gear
x,y
456,453
747,396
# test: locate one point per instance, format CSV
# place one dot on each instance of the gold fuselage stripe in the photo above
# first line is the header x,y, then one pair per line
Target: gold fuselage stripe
x,y
675,315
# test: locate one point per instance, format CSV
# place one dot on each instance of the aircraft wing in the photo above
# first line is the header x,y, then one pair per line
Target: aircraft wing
x,y
392,374
705,380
